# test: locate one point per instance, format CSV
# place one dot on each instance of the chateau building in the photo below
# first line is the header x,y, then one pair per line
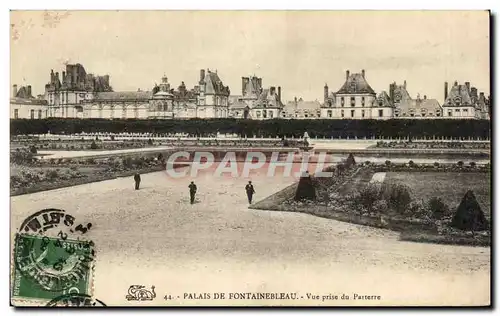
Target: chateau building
x,y
355,100
24,106
462,101
255,102
78,94
84,95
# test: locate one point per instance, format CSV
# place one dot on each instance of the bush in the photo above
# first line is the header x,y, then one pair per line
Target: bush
x,y
419,210
436,164
21,157
368,196
93,145
398,197
52,174
33,149
127,162
460,164
150,141
438,208
473,164
90,161
411,164
380,206
387,163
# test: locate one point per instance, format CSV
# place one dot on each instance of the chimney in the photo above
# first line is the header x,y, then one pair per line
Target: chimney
x,y
29,92
202,75
273,90
64,76
346,74
279,94
244,81
446,90
57,76
325,93
391,91
295,100
456,83
14,90
363,73
467,84
473,92
404,84
425,97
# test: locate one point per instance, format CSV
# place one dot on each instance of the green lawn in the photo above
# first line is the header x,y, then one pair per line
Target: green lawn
x,y
450,186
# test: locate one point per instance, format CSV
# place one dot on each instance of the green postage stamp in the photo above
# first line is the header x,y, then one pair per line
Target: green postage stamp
x,y
46,267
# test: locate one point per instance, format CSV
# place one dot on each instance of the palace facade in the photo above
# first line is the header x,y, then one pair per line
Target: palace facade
x,y
78,94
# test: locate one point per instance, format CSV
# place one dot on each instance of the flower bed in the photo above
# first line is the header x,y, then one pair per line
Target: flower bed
x,y
389,206
41,177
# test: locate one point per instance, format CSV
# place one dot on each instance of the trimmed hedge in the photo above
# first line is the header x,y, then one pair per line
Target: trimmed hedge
x,y
266,128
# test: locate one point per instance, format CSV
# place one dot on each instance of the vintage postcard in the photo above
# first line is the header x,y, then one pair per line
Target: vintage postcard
x,y
250,158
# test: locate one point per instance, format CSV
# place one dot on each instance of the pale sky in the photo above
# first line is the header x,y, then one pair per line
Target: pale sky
x,y
297,50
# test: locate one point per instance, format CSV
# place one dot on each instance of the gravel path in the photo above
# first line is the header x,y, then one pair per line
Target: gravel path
x,y
155,237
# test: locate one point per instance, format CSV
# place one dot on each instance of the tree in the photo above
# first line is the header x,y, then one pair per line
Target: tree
x,y
469,215
93,145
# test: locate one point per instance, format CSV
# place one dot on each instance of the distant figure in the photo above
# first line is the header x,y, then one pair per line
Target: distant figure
x,y
192,191
137,179
250,191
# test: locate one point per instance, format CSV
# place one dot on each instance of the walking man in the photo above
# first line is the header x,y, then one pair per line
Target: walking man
x,y
192,191
137,179
250,191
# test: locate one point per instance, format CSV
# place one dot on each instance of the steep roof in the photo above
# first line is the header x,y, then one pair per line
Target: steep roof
x,y
214,85
24,93
458,92
268,100
383,98
419,104
355,84
123,95
401,94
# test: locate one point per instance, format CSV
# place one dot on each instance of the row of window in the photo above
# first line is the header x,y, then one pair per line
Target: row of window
x,y
264,114
353,101
342,114
32,114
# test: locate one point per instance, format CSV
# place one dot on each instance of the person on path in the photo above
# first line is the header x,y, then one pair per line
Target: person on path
x,y
250,191
192,191
137,179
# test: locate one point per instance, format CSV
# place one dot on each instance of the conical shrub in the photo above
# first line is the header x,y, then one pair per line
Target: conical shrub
x,y
305,189
469,215
350,160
